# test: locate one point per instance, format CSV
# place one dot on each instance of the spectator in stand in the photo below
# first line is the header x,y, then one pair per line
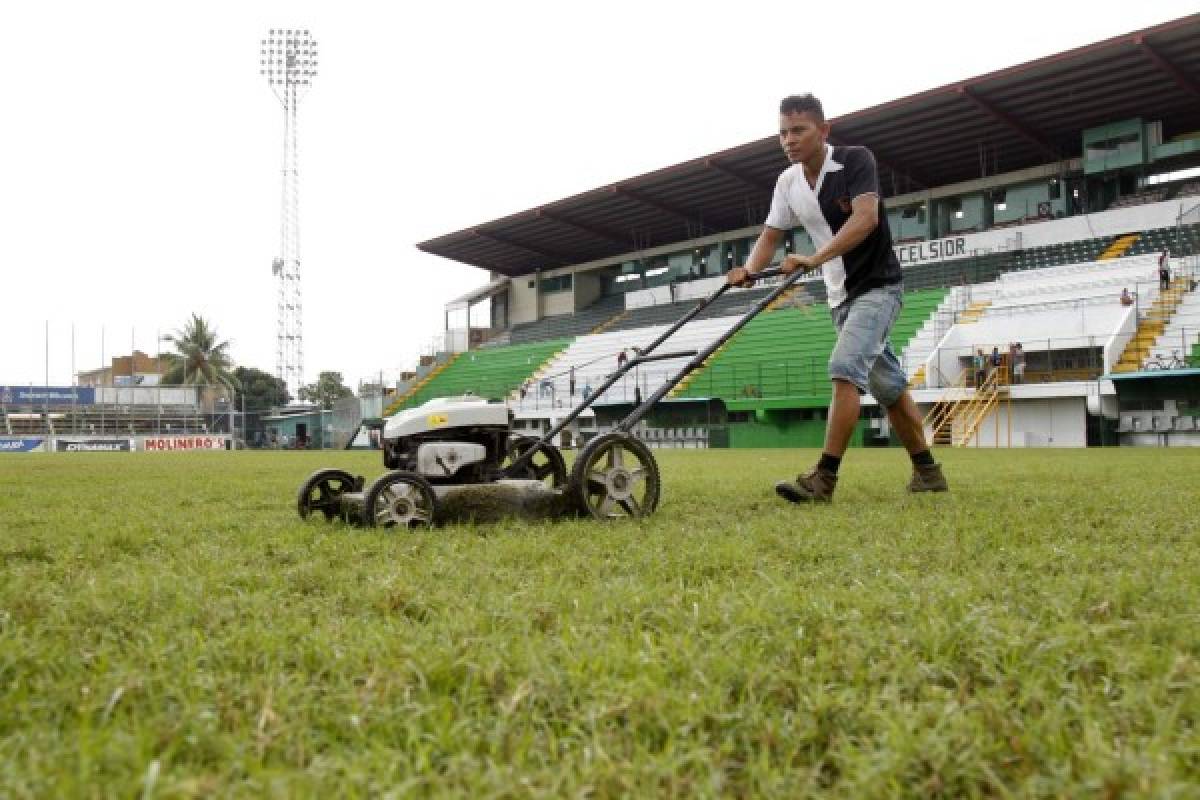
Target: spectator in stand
x,y
1012,362
1126,297
996,360
1164,270
621,358
587,390
547,387
1018,366
980,367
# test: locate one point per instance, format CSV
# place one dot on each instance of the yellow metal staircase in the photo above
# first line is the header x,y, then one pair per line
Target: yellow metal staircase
x,y
1119,247
1151,326
608,323
955,421
973,312
416,387
918,379
794,297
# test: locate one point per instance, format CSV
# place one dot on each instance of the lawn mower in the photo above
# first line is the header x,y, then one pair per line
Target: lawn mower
x,y
458,458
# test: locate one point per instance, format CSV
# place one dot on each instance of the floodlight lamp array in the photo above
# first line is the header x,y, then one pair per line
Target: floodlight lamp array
x,y
288,57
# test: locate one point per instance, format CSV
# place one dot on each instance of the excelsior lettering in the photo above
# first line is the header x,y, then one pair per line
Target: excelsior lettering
x,y
932,251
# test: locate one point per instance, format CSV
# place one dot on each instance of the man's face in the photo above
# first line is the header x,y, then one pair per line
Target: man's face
x,y
801,135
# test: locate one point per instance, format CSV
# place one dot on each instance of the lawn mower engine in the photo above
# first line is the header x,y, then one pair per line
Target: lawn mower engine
x,y
452,453
449,440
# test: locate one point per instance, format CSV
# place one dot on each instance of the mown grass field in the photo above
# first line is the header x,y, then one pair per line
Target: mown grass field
x,y
170,628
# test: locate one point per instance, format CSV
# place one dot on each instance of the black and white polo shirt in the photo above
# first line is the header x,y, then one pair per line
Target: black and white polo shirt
x,y
847,173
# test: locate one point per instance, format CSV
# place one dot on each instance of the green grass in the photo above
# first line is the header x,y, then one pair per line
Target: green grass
x,y
170,628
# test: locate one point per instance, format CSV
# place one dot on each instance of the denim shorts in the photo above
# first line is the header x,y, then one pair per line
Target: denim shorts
x,y
863,355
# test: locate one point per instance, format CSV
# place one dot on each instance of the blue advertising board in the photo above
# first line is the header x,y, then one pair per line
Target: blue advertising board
x,y
20,444
47,395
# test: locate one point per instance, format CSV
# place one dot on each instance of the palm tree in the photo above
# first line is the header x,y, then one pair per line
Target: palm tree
x,y
199,359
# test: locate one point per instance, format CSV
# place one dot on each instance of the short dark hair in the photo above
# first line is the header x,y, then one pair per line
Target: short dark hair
x,y
800,104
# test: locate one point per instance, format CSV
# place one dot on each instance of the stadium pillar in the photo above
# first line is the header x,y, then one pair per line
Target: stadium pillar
x,y
537,294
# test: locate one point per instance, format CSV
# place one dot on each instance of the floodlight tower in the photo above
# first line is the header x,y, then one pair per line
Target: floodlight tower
x,y
288,59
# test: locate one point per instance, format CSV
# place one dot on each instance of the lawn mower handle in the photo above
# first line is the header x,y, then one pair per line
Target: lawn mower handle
x,y
642,357
635,416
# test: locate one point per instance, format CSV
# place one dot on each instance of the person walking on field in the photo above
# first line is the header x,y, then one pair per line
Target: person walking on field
x,y
833,192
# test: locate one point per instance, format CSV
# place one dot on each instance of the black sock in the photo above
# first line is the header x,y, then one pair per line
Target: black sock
x,y
923,459
829,463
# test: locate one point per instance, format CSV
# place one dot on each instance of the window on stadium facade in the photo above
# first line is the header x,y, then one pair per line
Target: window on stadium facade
x,y
559,283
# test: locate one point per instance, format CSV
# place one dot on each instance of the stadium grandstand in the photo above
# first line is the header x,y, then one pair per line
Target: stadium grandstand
x,y
1024,204
120,407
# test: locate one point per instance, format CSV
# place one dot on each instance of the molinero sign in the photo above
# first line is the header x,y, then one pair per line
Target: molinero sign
x,y
183,443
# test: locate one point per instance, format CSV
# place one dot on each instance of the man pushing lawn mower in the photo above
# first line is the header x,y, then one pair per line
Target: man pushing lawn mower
x,y
833,192
462,452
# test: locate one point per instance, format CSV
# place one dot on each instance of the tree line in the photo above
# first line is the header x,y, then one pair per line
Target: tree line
x,y
201,358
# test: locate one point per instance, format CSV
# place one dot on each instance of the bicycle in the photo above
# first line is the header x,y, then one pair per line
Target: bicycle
x,y
1159,362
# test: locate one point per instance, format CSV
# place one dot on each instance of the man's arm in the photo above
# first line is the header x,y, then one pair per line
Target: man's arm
x,y
864,218
760,256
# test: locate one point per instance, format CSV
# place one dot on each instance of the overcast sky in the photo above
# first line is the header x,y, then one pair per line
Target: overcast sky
x,y
140,149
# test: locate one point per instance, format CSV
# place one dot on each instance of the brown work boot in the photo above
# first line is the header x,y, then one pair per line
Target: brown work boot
x,y
928,479
815,487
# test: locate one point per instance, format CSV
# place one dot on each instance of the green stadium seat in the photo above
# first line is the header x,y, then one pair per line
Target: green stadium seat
x,y
785,354
492,372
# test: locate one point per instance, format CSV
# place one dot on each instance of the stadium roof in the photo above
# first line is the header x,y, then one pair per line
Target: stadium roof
x,y
1013,118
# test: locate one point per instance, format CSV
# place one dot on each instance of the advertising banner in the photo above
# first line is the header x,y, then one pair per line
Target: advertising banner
x,y
168,443
93,445
22,444
47,395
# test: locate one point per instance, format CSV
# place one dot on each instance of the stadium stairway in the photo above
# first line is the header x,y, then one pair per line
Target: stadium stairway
x,y
608,323
489,372
402,401
973,312
1119,247
955,420
1181,336
1152,326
